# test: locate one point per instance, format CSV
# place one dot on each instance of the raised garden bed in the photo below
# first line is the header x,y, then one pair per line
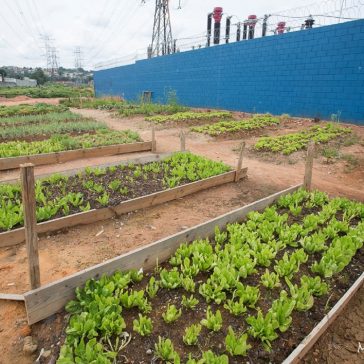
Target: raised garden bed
x,y
237,127
314,275
189,117
62,148
83,197
28,109
290,143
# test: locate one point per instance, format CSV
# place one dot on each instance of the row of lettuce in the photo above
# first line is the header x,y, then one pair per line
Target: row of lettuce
x,y
261,273
60,195
42,120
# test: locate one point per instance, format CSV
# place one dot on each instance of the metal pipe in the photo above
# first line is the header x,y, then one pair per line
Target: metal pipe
x,y
227,29
217,17
209,26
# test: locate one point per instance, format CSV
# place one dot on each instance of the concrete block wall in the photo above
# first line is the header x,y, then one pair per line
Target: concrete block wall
x,y
311,73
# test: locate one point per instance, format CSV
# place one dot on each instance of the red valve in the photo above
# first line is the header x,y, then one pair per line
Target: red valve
x,y
252,20
281,27
218,14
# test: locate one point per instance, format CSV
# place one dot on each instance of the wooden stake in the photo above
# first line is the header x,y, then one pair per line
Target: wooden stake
x,y
307,182
30,222
183,140
240,161
154,144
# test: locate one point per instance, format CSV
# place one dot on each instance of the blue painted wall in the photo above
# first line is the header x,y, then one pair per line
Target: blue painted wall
x,y
313,73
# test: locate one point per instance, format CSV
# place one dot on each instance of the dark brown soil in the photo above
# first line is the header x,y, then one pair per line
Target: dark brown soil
x,y
132,185
302,324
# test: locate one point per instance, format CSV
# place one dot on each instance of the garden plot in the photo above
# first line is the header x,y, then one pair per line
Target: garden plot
x,y
41,127
96,188
124,108
27,109
185,118
290,143
44,134
252,292
237,128
48,91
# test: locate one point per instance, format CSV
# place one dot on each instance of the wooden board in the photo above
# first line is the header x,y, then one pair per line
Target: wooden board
x,y
11,297
307,343
72,172
61,157
17,236
47,300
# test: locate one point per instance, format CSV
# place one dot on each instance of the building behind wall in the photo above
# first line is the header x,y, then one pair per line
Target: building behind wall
x,y
14,82
310,73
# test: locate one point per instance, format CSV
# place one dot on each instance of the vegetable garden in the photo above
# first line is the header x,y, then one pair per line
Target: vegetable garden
x,y
252,292
31,130
27,109
124,108
189,116
46,91
236,126
290,143
60,195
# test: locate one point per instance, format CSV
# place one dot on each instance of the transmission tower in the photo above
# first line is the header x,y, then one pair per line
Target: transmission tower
x,y
54,61
78,57
48,51
162,40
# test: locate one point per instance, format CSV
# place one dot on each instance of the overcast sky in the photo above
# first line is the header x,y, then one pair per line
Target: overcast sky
x,y
107,29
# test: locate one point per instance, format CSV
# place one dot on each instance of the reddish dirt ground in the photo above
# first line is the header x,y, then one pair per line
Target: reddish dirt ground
x,y
67,252
27,100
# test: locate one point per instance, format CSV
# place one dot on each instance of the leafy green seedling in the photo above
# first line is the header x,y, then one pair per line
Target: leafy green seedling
x,y
212,321
191,334
235,344
143,325
172,314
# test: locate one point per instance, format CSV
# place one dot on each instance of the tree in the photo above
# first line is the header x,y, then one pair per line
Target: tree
x,y
40,76
2,74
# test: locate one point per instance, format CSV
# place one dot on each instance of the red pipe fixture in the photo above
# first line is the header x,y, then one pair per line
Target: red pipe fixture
x,y
252,20
218,14
281,27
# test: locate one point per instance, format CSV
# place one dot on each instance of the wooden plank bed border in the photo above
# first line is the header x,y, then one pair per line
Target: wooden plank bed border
x,y
68,155
72,172
11,297
17,236
308,342
47,300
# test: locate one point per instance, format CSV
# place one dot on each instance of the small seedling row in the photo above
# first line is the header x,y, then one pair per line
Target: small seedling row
x,y
252,292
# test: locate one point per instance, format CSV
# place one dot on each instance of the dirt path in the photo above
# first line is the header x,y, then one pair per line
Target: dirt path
x,y
27,100
67,252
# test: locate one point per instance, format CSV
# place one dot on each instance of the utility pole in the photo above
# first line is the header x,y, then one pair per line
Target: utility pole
x,y
162,40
